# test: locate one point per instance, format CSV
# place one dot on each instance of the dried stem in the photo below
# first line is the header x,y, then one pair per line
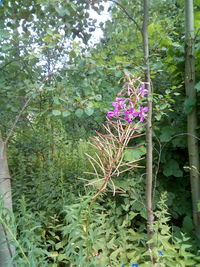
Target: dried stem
x,y
109,157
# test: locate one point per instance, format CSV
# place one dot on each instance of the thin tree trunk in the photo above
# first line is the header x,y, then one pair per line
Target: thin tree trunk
x,y
149,158
149,168
6,250
193,151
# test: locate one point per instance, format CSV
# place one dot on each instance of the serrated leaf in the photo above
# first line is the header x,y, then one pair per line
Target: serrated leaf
x,y
114,254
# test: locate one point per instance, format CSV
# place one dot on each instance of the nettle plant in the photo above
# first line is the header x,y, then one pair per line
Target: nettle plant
x,y
124,123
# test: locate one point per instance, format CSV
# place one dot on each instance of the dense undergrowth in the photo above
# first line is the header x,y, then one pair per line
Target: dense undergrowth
x,y
57,223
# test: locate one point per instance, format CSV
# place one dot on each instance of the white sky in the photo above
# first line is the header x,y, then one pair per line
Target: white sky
x,y
97,34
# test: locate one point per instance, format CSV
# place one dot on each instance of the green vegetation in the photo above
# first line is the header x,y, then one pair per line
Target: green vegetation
x,y
75,192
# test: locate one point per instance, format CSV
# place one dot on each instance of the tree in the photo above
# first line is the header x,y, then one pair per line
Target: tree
x,y
6,250
149,158
26,57
190,101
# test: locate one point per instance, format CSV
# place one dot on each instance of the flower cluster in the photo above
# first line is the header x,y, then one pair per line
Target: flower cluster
x,y
128,103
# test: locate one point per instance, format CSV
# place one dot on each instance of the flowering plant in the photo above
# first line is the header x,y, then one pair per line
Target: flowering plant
x,y
109,159
128,103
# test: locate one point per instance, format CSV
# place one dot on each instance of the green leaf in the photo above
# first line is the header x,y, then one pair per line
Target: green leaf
x,y
189,104
89,111
114,254
56,112
49,31
56,100
62,257
132,215
79,112
47,39
5,47
59,245
118,74
158,116
66,113
172,169
61,11
197,86
188,224
166,134
134,154
4,34
97,183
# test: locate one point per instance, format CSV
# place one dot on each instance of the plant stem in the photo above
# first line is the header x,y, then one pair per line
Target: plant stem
x,y
149,162
193,151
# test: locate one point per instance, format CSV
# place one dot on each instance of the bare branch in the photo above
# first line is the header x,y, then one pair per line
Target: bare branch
x,y
19,115
127,14
17,119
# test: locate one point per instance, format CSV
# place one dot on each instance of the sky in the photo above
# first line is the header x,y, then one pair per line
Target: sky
x,y
97,34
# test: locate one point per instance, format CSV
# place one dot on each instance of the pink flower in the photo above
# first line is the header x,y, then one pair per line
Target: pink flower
x,y
119,104
141,113
142,91
129,115
115,113
128,99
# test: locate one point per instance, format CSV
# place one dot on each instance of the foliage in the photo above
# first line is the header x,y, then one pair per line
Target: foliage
x,y
105,233
55,222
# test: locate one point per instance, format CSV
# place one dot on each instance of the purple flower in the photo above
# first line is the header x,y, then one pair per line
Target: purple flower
x,y
115,113
110,114
119,104
129,98
141,113
142,91
129,115
115,104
